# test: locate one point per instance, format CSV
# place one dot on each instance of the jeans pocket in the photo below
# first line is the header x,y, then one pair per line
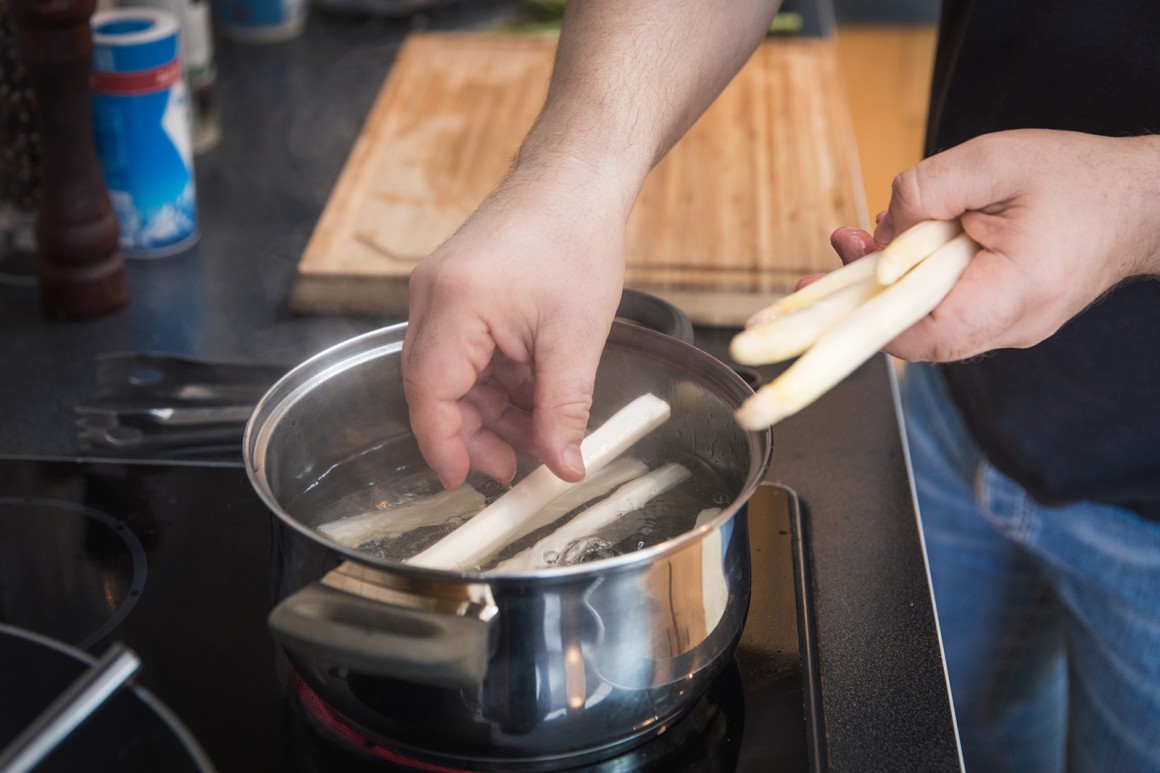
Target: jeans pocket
x,y
1004,503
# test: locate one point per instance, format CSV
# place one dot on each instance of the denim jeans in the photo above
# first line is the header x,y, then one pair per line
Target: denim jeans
x,y
1050,616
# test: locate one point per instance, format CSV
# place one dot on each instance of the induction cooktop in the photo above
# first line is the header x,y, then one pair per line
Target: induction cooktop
x,y
174,561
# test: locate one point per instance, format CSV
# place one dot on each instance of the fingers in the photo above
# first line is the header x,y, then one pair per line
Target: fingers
x,y
501,418
852,243
475,400
808,279
468,410
438,371
487,451
470,403
565,375
951,183
437,425
980,313
515,378
560,420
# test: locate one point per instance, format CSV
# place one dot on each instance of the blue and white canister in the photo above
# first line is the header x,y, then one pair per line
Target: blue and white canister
x,y
261,21
141,122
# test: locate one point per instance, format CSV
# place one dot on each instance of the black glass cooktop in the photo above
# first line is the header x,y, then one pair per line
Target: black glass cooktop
x,y
174,561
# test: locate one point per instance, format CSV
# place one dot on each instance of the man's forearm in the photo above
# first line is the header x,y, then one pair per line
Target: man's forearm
x,y
631,77
1145,170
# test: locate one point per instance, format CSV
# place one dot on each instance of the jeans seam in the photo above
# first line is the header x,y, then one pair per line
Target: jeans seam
x,y
1018,526
1026,517
1005,671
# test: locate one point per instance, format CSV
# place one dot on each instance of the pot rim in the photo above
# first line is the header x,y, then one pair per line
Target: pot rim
x,y
353,351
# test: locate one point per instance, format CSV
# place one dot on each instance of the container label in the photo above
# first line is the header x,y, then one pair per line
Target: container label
x,y
129,84
143,140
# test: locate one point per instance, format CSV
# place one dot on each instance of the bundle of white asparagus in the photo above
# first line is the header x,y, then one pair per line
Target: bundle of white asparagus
x,y
841,320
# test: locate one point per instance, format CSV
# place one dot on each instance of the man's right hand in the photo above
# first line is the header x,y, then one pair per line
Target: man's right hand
x,y
508,319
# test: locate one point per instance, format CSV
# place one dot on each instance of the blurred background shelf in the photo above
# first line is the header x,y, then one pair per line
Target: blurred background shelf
x,y
886,69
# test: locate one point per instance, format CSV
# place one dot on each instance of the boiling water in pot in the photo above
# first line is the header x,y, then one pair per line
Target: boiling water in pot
x,y
375,481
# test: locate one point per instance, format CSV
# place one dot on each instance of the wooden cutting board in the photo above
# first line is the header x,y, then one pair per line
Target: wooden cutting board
x,y
740,209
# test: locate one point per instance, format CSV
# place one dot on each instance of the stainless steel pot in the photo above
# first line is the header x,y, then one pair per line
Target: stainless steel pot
x,y
512,671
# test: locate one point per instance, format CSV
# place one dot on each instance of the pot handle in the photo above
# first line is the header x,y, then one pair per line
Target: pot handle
x,y
415,645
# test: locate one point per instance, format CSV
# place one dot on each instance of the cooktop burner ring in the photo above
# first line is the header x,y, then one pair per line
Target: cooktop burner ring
x,y
112,551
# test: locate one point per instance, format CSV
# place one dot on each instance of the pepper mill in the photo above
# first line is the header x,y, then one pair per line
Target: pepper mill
x,y
82,271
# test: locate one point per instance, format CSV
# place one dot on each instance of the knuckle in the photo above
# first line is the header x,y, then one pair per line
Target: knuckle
x,y
950,351
962,339
965,330
565,411
449,284
444,278
905,188
986,150
573,411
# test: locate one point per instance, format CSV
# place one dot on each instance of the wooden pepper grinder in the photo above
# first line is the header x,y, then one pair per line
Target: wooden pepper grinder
x,y
82,271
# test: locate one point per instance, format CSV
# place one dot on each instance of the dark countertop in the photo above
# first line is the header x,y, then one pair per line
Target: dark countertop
x,y
883,690
290,114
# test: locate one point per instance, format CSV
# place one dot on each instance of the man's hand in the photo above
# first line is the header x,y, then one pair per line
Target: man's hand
x,y
1062,217
533,278
508,318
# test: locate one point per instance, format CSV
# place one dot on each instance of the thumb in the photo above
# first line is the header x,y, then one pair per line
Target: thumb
x,y
947,185
562,401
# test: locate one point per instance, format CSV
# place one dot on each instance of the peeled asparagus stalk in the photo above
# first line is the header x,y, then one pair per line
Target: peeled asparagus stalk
x,y
706,515
848,274
393,521
859,336
492,528
631,496
357,530
912,246
788,335
594,486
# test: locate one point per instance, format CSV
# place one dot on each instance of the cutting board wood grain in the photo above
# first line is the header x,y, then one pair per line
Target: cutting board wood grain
x,y
739,210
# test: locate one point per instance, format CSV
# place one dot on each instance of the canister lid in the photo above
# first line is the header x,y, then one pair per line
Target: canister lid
x,y
133,39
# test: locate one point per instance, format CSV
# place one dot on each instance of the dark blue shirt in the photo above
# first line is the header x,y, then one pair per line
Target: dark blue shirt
x,y
1076,417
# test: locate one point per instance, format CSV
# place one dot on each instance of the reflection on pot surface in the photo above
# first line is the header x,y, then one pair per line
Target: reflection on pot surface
x,y
531,670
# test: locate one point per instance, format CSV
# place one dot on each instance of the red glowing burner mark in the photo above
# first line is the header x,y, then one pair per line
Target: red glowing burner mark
x,y
334,724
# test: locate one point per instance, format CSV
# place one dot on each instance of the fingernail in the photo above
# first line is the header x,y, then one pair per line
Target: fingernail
x,y
573,459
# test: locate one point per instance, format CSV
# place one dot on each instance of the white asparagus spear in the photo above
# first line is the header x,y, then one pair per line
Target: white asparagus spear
x,y
913,245
848,274
466,501
631,496
491,529
854,340
391,522
789,335
706,515
596,485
